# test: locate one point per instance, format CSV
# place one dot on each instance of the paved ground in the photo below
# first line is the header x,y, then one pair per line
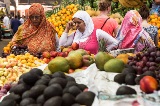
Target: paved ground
x,y
3,43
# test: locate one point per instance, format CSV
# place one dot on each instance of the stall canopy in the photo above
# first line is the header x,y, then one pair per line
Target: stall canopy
x,y
2,4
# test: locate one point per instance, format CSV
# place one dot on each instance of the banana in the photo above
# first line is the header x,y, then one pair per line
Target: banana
x,y
124,3
115,0
132,3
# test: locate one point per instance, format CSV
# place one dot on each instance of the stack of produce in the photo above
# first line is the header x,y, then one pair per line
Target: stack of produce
x,y
60,19
13,66
37,89
154,19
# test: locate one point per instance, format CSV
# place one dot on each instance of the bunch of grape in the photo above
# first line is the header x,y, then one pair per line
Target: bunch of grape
x,y
19,49
146,61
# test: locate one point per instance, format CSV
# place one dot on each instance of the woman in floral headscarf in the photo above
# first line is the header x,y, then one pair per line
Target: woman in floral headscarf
x,y
36,32
132,34
86,35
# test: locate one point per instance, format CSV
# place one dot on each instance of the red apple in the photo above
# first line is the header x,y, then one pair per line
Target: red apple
x,y
75,46
53,53
148,84
46,54
46,60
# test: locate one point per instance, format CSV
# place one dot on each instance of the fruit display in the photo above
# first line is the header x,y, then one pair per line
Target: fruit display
x,y
117,17
13,66
154,19
58,89
60,19
4,89
149,60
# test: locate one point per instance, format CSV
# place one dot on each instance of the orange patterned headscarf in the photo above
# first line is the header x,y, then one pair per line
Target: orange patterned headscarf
x,y
37,39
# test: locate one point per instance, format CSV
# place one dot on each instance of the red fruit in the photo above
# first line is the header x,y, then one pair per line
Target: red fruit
x,y
46,54
75,46
53,53
148,84
46,60
71,71
7,87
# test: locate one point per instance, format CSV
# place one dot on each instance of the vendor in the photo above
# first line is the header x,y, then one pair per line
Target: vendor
x,y
155,7
36,32
86,35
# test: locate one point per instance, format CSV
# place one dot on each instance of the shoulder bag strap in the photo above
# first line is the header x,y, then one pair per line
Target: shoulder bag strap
x,y
105,22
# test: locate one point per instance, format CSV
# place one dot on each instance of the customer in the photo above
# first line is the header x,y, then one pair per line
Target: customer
x,y
132,34
152,30
86,35
155,7
36,32
6,22
15,23
22,19
102,21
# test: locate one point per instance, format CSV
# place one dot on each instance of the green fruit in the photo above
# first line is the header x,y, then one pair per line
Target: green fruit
x,y
114,65
101,58
58,64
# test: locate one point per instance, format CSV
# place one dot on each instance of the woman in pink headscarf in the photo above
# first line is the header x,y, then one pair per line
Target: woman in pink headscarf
x,y
132,34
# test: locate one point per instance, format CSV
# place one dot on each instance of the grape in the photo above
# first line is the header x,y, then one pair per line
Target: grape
x,y
152,68
157,60
153,54
151,59
145,69
130,58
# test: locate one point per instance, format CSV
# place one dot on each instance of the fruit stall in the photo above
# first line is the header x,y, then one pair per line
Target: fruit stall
x,y
75,77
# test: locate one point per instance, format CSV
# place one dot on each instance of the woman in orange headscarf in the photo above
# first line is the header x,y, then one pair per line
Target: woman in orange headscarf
x,y
36,32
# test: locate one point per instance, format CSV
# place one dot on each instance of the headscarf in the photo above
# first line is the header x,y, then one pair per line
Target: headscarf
x,y
130,29
83,15
37,39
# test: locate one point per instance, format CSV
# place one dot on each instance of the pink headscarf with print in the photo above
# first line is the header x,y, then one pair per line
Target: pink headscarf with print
x,y
130,28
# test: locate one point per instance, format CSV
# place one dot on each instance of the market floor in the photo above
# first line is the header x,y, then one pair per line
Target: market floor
x,y
3,43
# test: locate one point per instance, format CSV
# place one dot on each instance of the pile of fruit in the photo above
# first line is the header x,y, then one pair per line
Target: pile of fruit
x,y
154,19
117,17
60,19
37,89
13,66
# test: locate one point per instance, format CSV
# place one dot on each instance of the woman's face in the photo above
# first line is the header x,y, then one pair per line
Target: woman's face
x,y
36,19
80,25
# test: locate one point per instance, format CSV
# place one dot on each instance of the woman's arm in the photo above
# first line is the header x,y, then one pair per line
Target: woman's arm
x,y
110,41
66,40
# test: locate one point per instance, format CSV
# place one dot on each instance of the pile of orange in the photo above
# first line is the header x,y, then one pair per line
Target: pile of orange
x,y
7,48
60,19
154,19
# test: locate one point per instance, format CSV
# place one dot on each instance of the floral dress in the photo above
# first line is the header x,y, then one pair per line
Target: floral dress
x,y
153,31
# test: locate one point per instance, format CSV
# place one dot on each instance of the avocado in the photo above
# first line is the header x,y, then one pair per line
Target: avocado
x,y
54,101
76,104
36,71
59,74
69,78
130,79
51,91
71,83
27,101
8,102
12,96
30,79
68,99
65,90
26,94
58,80
42,82
57,85
74,90
85,98
40,99
19,89
150,73
46,76
20,81
138,78
82,87
120,78
125,90
129,70
37,90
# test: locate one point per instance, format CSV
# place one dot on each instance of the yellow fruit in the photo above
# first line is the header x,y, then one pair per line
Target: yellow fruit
x,y
114,65
123,57
57,63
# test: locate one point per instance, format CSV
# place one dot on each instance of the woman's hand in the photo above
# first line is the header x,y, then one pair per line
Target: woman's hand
x,y
69,25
